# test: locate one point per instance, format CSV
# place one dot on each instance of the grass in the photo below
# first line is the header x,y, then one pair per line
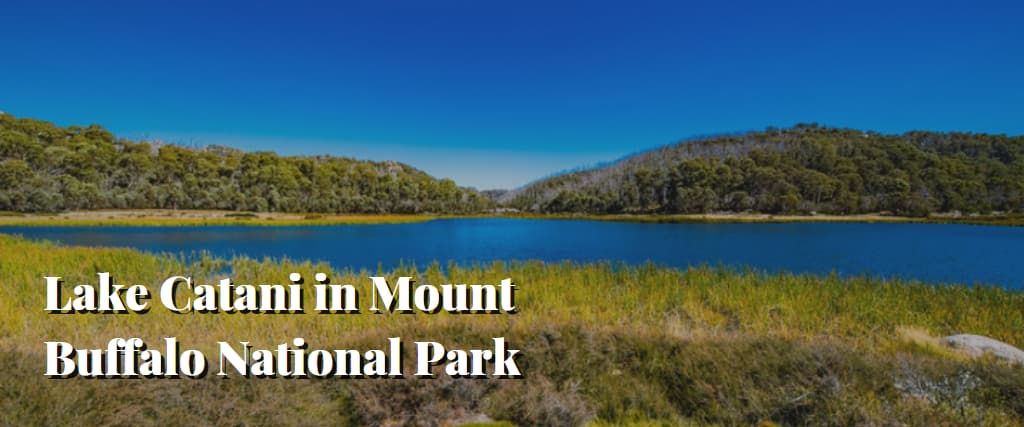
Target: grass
x,y
199,218
602,344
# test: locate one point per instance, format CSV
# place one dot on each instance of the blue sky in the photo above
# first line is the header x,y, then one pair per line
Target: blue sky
x,y
495,94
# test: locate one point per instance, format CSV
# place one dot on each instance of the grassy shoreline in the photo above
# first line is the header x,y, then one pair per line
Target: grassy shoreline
x,y
602,344
192,218
185,218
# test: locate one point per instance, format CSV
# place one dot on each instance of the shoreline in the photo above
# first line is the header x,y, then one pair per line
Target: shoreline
x,y
758,218
186,218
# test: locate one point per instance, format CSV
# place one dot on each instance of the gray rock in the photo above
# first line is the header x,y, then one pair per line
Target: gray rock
x,y
977,345
473,419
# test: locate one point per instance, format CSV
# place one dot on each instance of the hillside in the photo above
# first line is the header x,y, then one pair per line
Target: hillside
x,y
803,169
47,168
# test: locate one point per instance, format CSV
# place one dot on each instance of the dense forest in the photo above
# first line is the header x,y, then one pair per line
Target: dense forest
x,y
804,169
47,168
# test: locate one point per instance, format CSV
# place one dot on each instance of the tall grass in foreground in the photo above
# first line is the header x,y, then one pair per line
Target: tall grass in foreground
x,y
601,343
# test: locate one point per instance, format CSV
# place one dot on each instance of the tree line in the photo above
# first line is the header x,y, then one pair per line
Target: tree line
x,y
803,169
48,168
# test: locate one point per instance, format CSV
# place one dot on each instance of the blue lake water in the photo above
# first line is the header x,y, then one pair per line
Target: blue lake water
x,y
939,253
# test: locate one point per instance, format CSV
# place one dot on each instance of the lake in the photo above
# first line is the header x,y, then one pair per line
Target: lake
x,y
940,253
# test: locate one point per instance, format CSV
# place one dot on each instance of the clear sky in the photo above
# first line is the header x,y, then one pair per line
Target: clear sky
x,y
496,93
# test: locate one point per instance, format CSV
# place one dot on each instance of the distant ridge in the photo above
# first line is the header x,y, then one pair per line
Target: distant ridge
x,y
508,195
47,168
803,169
806,169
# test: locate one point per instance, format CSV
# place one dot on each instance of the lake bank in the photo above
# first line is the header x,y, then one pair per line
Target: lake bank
x,y
187,218
693,346
757,218
172,218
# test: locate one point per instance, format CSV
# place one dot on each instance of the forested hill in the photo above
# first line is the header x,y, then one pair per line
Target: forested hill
x,y
47,168
799,170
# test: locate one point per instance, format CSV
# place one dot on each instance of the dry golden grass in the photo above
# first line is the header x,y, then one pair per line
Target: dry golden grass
x,y
183,218
602,343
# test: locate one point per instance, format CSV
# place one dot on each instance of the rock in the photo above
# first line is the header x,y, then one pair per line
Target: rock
x,y
473,419
977,345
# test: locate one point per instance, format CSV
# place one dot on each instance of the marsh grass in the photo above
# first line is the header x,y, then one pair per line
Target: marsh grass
x,y
602,343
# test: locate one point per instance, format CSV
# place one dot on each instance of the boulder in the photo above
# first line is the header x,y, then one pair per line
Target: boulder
x,y
977,345
473,419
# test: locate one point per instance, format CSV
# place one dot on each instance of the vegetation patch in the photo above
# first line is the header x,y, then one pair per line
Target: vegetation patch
x,y
147,218
48,168
603,344
806,169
